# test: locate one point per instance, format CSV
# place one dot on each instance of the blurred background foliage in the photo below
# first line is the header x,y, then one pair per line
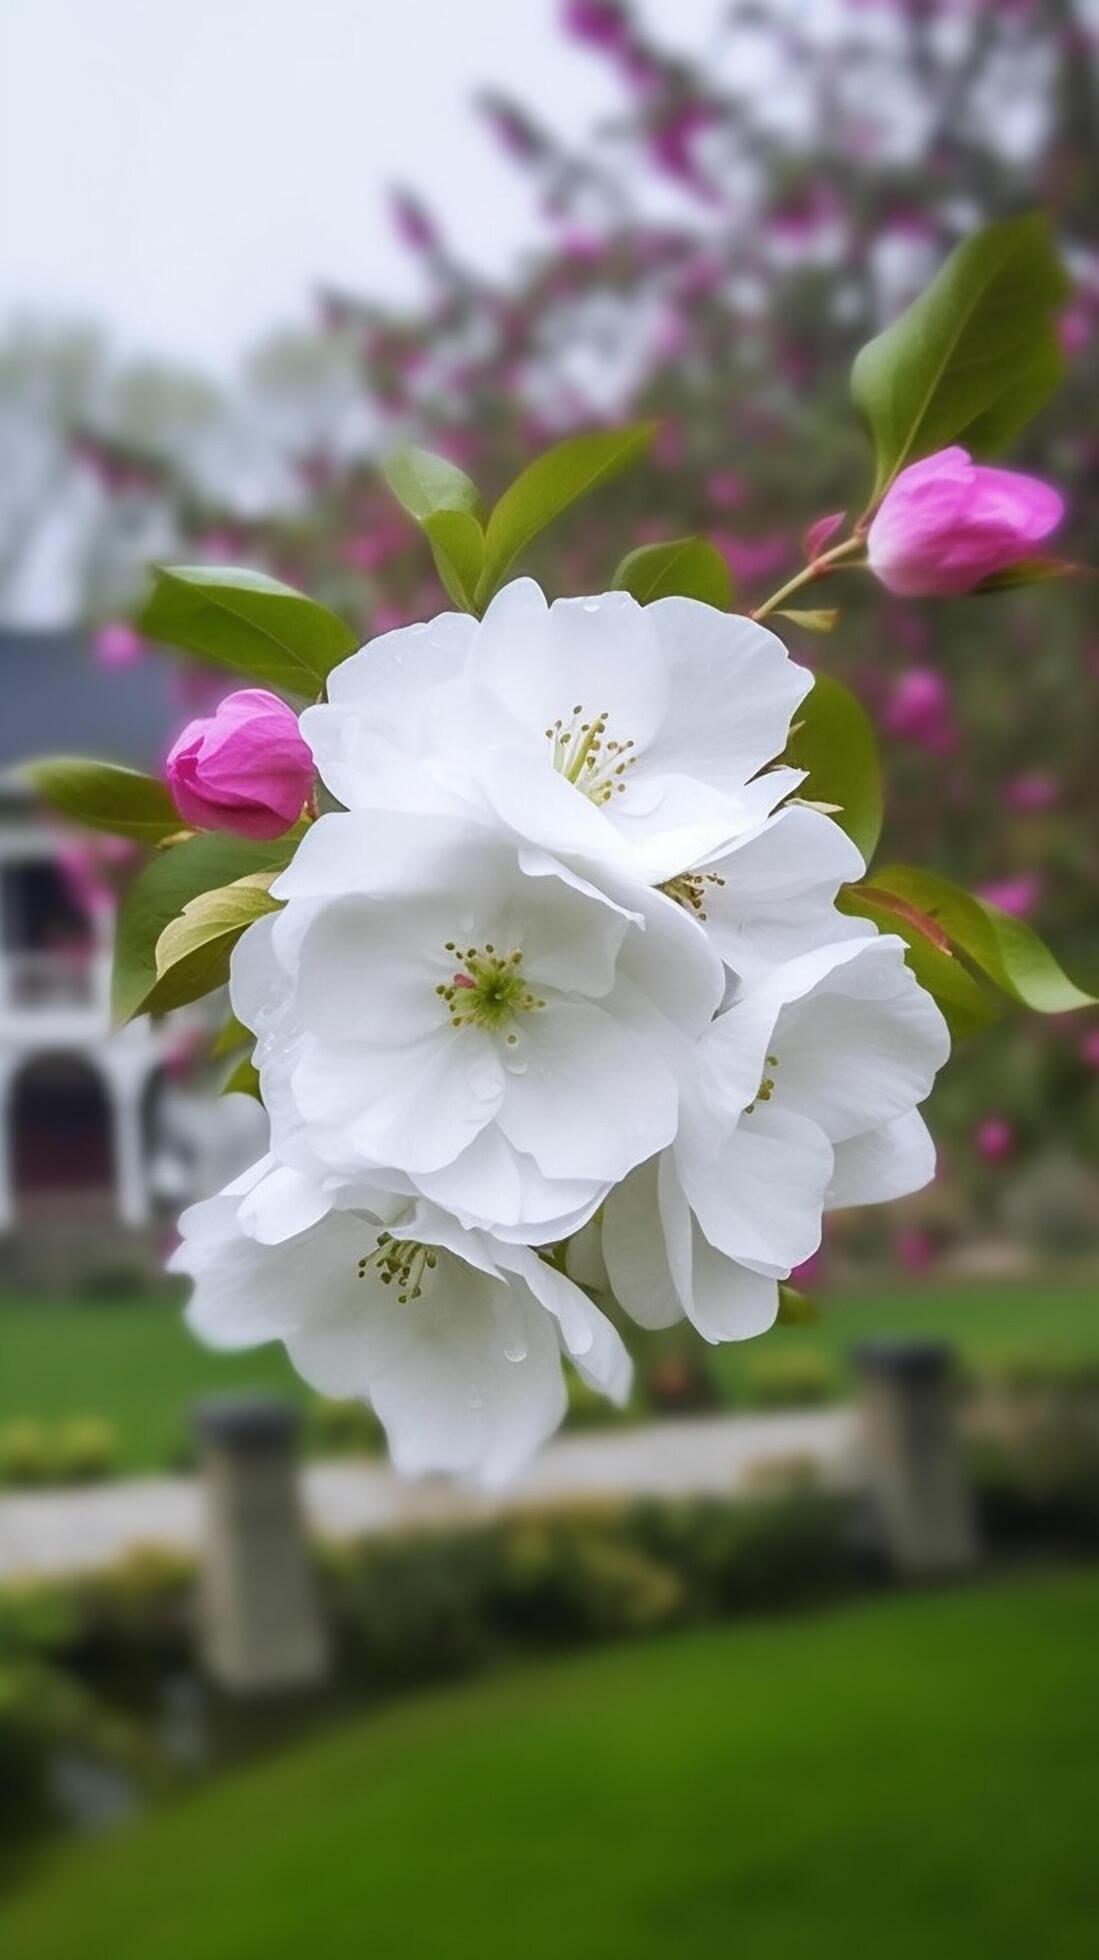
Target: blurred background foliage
x,y
712,256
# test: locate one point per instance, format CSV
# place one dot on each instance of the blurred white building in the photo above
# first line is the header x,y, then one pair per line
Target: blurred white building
x,y
101,1139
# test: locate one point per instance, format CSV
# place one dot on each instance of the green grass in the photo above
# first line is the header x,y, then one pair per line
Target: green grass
x,y
134,1363
985,1321
907,1778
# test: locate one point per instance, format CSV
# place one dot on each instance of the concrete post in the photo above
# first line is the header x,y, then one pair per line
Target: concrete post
x,y
915,1464
131,1182
260,1630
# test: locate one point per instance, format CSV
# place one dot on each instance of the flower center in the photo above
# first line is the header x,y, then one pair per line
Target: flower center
x,y
689,890
487,990
766,1088
403,1263
581,753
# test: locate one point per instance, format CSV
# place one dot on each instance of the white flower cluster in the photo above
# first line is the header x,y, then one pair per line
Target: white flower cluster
x,y
557,1005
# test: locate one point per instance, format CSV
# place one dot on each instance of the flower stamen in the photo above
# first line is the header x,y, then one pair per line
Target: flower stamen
x,y
403,1263
689,890
766,1088
579,753
487,989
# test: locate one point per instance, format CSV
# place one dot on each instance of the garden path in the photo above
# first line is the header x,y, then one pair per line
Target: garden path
x,y
59,1531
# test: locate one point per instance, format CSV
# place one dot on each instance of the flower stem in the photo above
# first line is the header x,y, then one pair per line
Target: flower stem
x,y
817,569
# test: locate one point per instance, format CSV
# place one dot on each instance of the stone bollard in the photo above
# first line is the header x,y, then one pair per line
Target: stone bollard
x,y
260,1629
915,1464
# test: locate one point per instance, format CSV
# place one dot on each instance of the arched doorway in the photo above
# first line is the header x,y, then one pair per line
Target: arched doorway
x,y
63,1161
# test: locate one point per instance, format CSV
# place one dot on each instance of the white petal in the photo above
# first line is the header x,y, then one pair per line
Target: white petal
x,y
777,893
282,1205
863,1047
727,1301
636,1253
733,693
598,654
882,1164
591,1341
760,1199
414,1108
585,1096
493,1187
369,972
389,677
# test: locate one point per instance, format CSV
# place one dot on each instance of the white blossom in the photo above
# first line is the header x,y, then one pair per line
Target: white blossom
x,y
442,1013
453,1338
609,733
822,1064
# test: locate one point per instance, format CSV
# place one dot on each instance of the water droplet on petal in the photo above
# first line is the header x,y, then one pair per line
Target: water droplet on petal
x,y
475,1399
515,1346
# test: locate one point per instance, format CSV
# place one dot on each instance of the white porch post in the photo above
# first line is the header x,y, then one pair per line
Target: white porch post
x,y
7,1144
131,1182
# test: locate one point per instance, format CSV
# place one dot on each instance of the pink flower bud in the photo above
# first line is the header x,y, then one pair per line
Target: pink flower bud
x,y
821,533
947,523
245,768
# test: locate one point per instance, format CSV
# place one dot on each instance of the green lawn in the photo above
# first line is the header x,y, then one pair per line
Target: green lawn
x,y
909,1778
986,1321
134,1362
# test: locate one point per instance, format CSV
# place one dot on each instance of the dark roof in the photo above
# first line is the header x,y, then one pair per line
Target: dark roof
x,y
56,699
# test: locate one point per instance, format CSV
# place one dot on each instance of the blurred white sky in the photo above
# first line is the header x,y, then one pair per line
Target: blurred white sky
x,y
184,173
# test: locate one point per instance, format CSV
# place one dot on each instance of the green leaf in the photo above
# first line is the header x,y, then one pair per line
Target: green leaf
x,y
424,484
820,619
1006,950
795,1309
834,741
105,797
249,622
1028,571
242,1080
974,358
161,891
458,548
688,568
192,953
231,1034
966,1006
548,486
446,503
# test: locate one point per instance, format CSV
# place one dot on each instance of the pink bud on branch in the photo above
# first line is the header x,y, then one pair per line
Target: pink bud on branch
x,y
947,523
244,769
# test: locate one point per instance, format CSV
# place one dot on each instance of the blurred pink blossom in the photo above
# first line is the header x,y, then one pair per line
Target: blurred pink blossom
x,y
1019,896
1035,790
1089,1048
600,23
668,444
725,489
755,559
86,864
915,1249
920,710
117,644
994,1139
